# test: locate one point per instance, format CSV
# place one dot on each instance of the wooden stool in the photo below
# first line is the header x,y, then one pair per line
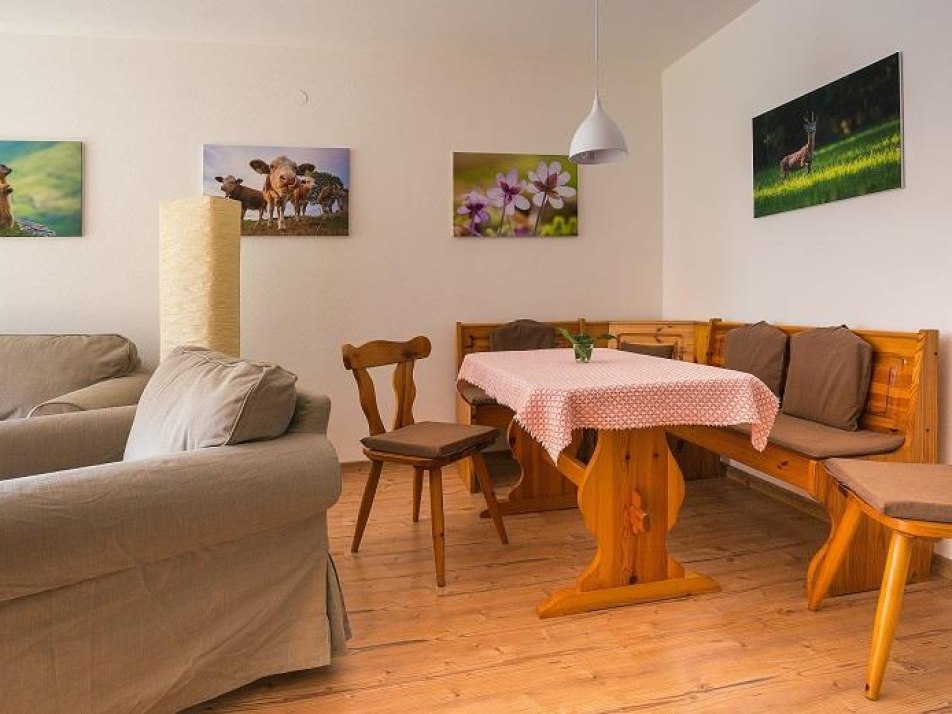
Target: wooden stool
x,y
426,446
913,501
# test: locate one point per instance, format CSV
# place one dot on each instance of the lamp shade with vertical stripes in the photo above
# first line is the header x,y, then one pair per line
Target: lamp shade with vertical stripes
x,y
199,274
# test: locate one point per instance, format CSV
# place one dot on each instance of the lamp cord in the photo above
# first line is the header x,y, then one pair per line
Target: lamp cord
x,y
597,63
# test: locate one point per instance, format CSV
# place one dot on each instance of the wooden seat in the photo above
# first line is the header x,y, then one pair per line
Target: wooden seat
x,y
426,446
913,501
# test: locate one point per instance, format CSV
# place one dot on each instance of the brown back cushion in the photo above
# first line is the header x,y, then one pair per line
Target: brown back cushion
x,y
760,350
522,335
35,368
828,377
666,351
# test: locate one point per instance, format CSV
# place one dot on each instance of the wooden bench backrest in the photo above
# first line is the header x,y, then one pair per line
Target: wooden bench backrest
x,y
689,339
903,390
474,337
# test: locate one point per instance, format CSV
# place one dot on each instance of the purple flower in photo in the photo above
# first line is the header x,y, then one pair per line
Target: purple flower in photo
x,y
474,206
507,193
547,183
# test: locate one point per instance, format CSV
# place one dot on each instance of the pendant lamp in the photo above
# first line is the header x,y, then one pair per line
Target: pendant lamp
x,y
598,139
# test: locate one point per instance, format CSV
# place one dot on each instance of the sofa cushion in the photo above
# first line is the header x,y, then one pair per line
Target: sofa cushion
x,y
198,398
760,350
819,441
522,335
638,348
921,492
828,377
431,440
35,368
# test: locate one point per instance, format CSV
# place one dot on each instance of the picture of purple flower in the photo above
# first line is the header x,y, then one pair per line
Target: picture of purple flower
x,y
474,206
514,196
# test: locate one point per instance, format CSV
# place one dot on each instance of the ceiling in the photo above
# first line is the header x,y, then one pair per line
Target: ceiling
x,y
652,31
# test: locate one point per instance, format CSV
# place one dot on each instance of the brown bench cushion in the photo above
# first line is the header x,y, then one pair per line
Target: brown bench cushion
x,y
760,350
639,348
522,335
431,440
828,377
921,492
474,396
819,441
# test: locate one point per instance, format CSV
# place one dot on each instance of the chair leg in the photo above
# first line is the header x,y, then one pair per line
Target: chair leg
x,y
370,490
486,484
887,611
436,519
417,492
836,551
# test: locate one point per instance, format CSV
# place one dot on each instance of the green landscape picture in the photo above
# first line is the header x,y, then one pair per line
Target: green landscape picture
x,y
41,189
839,141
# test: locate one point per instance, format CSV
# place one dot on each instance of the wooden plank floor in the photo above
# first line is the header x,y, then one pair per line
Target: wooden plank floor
x,y
477,646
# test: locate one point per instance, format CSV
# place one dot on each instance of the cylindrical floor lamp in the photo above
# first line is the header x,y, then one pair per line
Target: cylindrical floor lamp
x,y
199,274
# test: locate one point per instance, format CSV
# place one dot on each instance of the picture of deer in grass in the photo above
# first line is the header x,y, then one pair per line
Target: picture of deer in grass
x,y
803,157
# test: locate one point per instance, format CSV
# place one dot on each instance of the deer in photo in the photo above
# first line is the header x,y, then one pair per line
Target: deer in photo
x,y
803,157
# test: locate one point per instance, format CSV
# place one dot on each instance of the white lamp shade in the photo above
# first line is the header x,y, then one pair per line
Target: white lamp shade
x,y
598,139
199,274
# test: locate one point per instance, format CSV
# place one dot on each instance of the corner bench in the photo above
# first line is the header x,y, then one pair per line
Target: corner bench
x,y
899,423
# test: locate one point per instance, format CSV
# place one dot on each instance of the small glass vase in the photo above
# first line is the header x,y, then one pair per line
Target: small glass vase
x,y
583,352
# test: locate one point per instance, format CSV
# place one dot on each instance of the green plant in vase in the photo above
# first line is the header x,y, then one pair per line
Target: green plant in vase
x,y
583,344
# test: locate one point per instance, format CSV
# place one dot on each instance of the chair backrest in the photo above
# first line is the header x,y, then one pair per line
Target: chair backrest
x,y
380,353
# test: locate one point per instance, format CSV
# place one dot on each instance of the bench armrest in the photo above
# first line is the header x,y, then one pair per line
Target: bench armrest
x,y
114,392
63,441
67,527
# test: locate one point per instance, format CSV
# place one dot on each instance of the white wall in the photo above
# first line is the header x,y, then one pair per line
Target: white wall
x,y
145,106
879,261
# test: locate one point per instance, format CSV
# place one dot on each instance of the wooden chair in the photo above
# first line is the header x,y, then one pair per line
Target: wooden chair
x,y
426,446
913,501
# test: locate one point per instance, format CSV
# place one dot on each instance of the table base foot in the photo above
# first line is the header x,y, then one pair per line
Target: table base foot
x,y
571,601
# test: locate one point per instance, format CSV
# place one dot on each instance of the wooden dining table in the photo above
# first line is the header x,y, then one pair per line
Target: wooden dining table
x,y
630,489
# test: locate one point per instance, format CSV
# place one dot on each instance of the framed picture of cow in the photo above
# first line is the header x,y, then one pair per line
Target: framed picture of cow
x,y
841,140
283,190
41,189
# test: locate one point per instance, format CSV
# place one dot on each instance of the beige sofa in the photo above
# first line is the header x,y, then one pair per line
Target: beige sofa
x,y
155,584
53,374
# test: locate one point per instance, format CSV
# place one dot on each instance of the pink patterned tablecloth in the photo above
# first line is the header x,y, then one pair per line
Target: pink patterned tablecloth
x,y
552,394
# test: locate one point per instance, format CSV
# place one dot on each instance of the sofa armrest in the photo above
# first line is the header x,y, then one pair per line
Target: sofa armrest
x,y
63,441
312,412
114,392
62,528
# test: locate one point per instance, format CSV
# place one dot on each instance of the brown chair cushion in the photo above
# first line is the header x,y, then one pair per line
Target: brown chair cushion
x,y
921,492
760,350
819,441
474,396
522,335
828,377
639,348
431,439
